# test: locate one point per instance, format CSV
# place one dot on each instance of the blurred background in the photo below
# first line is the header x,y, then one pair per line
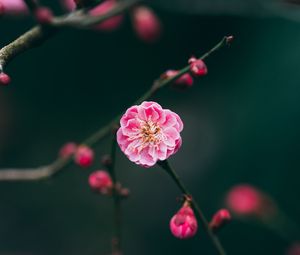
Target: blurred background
x,y
241,126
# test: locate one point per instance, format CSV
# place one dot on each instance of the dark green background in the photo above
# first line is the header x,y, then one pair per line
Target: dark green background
x,y
241,125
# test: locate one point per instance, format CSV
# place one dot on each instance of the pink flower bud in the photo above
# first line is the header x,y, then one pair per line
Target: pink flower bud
x,y
69,5
67,150
183,82
13,7
101,181
244,200
184,224
84,156
110,24
220,218
294,249
4,79
146,24
197,67
43,15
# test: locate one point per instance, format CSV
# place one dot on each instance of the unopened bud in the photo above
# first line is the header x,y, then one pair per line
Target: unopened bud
x,y
100,181
84,156
67,150
146,24
183,224
244,199
43,15
184,81
220,219
4,79
197,67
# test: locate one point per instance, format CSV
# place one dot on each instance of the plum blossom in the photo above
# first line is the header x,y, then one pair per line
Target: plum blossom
x,y
149,133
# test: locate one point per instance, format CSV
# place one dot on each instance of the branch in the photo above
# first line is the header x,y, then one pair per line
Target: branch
x,y
59,164
39,34
116,240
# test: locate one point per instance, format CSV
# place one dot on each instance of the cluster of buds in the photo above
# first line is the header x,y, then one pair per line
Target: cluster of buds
x,y
83,155
197,68
146,24
99,181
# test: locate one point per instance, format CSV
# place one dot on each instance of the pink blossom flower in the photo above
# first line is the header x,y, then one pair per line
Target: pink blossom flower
x,y
13,7
146,24
244,199
84,156
149,133
100,181
184,224
68,150
219,219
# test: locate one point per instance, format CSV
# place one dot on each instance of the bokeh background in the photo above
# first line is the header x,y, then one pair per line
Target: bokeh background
x,y
241,126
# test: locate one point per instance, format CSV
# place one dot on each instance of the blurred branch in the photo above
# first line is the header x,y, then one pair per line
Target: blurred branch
x,y
52,169
39,34
116,240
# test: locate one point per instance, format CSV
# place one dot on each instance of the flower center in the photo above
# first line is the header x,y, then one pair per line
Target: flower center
x,y
150,132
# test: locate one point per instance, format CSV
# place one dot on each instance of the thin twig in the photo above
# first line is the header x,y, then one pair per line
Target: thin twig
x,y
215,240
47,171
116,240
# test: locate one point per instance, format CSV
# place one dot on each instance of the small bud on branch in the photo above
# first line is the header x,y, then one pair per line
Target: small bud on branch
x,y
219,220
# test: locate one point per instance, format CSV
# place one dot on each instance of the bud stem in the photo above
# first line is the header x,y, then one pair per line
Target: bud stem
x,y
170,171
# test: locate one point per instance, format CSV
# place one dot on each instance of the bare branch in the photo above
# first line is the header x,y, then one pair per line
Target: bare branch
x,y
47,171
